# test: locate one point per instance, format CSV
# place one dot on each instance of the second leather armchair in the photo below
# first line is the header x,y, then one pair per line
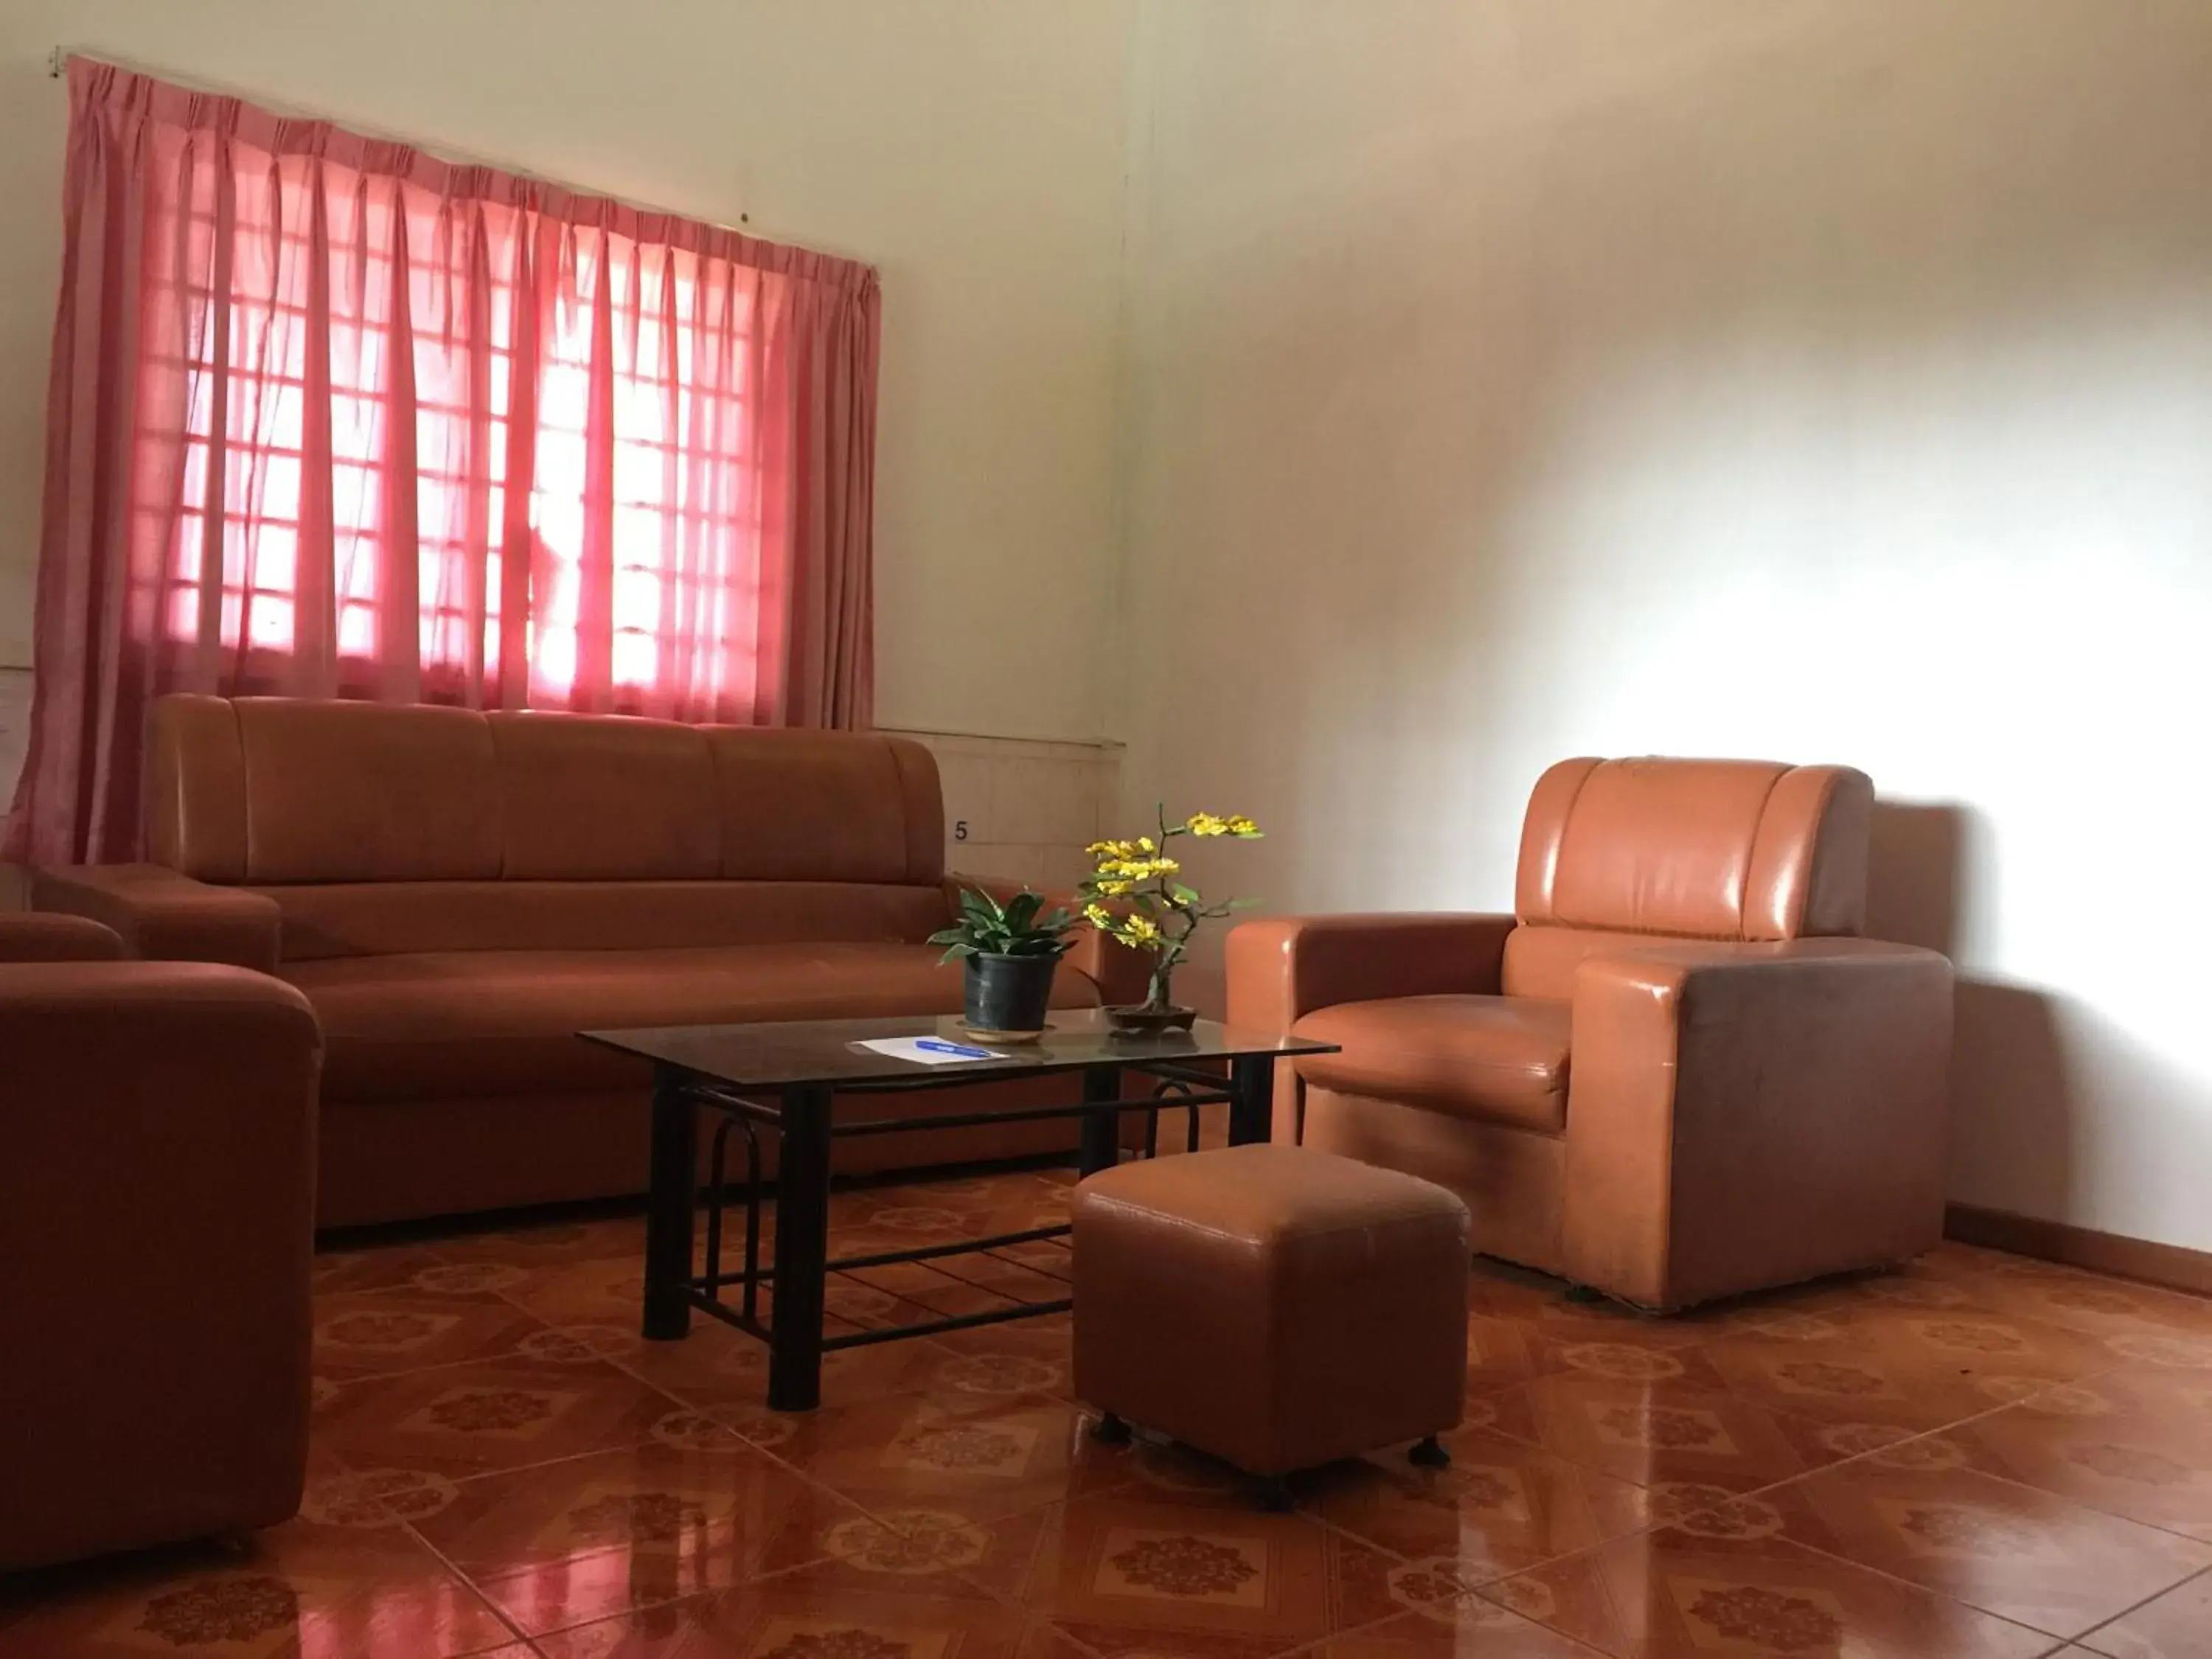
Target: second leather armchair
x,y
1675,1072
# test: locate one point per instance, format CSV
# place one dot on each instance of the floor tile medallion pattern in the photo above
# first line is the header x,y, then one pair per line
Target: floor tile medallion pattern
x,y
1976,1456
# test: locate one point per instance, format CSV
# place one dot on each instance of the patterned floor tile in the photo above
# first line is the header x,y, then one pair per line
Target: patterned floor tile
x,y
463,1420
1450,1626
1738,1588
563,1543
1653,1433
1972,1345
2008,1549
779,1620
547,1244
345,1579
405,1329
607,1289
722,1370
1501,1507
1155,1573
986,1456
2098,1307
934,1550
1808,1364
1023,1355
1500,1354
2088,1447
2175,1625
377,1267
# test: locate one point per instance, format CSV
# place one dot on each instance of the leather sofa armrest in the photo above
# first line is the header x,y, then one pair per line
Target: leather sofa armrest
x,y
1122,975
1282,967
29,936
163,915
160,1123
1749,1114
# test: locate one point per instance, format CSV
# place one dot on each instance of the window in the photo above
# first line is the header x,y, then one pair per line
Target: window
x,y
335,417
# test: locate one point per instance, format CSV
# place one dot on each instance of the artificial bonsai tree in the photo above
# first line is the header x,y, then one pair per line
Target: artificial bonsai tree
x,y
1134,892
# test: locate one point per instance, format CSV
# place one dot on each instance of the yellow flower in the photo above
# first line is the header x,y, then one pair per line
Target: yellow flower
x,y
1206,823
1138,869
1242,827
1145,844
1112,888
1138,931
1112,850
1098,916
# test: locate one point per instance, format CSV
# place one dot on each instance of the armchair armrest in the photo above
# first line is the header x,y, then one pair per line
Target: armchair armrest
x,y
1282,967
160,1125
1749,1114
28,936
164,916
1121,974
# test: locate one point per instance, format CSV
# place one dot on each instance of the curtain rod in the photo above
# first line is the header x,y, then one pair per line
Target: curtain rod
x,y
57,66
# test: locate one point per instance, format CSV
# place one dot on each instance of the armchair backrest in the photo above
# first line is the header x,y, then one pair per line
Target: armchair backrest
x,y
1716,850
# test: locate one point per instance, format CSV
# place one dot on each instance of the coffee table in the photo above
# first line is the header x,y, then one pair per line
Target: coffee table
x,y
781,1077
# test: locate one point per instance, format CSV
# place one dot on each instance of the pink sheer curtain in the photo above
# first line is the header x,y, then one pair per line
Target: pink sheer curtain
x,y
330,417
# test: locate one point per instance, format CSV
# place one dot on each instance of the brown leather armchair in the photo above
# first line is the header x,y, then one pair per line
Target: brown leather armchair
x,y
156,1198
1675,1072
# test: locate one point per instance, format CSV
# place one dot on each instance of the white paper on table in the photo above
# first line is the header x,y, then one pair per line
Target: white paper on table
x,y
930,1051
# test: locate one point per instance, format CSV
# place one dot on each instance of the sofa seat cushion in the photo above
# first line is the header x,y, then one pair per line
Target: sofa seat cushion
x,y
488,1023
1500,1059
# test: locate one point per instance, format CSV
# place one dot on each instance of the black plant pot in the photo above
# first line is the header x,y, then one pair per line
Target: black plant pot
x,y
1009,994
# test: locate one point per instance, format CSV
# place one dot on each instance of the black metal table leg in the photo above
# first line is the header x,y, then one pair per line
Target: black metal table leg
x,y
1102,1131
1252,1113
670,1193
802,1247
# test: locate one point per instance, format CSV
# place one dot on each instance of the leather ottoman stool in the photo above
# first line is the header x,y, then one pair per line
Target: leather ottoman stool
x,y
1276,1307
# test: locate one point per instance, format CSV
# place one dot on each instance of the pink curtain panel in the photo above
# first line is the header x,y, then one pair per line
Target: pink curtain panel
x,y
332,417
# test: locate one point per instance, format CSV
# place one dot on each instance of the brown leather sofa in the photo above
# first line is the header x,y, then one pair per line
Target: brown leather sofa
x,y
1675,1072
458,894
156,1207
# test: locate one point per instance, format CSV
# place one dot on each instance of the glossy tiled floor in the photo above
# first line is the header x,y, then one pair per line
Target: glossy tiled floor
x,y
1978,1456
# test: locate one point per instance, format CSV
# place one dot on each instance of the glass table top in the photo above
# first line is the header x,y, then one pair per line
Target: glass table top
x,y
788,1053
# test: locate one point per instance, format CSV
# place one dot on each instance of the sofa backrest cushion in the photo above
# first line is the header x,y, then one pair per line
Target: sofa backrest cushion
x,y
827,806
271,791
1696,848
408,918
584,799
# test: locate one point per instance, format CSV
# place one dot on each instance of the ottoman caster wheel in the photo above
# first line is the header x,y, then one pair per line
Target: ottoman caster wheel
x,y
1428,1454
1273,1495
1111,1431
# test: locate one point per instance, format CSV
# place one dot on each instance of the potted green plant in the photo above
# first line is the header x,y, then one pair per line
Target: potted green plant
x,y
1010,951
1135,893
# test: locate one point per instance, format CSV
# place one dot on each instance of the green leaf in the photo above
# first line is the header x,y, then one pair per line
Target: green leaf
x,y
957,951
1023,909
1183,895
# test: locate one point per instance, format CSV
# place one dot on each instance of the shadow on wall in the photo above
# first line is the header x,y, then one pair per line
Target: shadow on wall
x,y
2010,1083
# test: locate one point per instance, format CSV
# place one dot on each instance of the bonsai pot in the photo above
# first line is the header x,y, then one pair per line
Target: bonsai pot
x,y
1149,1019
1009,994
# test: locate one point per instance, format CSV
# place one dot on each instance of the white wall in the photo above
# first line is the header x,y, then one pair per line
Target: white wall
x,y
971,148
1822,379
